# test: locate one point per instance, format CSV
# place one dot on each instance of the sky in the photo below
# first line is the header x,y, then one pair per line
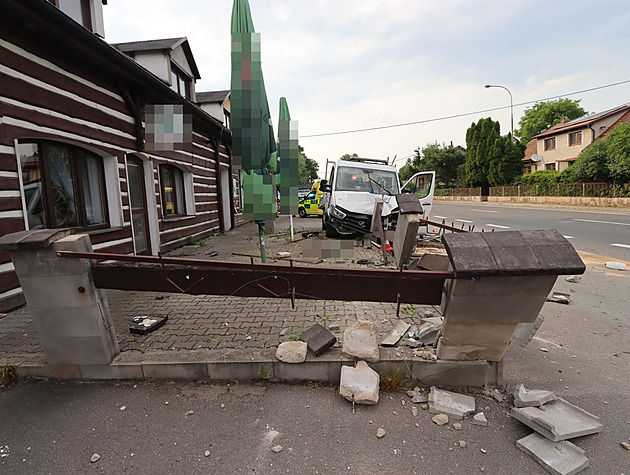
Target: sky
x,y
355,64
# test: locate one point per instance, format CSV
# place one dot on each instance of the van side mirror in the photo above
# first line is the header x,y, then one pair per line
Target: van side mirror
x,y
324,186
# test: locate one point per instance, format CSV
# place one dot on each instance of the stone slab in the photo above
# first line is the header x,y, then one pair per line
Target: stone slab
x,y
359,384
38,239
359,342
560,458
559,421
397,333
470,255
532,397
292,352
408,203
554,252
453,404
405,238
318,338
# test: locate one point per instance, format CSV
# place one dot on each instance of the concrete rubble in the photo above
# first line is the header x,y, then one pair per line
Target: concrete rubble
x,y
559,420
532,397
455,405
479,419
397,333
318,338
561,458
292,352
359,384
440,419
359,342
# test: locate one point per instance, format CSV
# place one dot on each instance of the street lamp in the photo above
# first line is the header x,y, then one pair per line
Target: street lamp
x,y
511,106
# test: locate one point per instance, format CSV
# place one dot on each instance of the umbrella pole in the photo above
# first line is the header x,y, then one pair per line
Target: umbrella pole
x,y
261,239
291,220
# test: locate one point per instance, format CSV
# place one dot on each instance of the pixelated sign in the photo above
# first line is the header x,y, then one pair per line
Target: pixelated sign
x,y
167,127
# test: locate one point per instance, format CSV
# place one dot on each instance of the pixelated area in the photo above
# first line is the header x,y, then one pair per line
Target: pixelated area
x,y
326,248
259,197
288,166
167,127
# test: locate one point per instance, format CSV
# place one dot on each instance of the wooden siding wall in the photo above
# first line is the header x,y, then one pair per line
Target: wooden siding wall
x,y
53,98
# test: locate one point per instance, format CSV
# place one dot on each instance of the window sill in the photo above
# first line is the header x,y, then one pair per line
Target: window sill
x,y
178,218
95,232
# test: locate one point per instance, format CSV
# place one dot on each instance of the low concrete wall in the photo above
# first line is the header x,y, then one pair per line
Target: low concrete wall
x,y
555,200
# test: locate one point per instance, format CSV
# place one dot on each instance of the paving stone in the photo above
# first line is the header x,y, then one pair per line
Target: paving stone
x,y
560,458
454,404
359,384
292,352
318,338
559,420
359,342
531,397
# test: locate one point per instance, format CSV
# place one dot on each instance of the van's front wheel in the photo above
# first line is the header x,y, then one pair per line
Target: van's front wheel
x,y
302,212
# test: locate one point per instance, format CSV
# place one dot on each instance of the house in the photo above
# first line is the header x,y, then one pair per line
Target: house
x,y
217,104
558,147
77,149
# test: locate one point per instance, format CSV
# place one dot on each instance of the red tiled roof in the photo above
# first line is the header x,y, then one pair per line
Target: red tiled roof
x,y
530,150
582,122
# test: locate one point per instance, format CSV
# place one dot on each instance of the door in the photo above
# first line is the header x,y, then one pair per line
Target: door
x,y
138,205
423,185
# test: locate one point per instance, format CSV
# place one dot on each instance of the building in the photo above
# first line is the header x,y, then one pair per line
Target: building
x,y
74,112
558,147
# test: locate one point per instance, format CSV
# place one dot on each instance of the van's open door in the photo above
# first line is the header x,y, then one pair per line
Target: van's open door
x,y
423,185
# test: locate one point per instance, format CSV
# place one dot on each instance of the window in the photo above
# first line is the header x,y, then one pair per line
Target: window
x,y
528,169
180,82
63,186
78,10
550,144
366,180
550,166
575,138
172,180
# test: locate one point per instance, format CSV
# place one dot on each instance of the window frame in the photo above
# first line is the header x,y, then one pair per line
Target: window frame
x,y
578,135
550,166
178,214
86,10
182,80
77,184
552,144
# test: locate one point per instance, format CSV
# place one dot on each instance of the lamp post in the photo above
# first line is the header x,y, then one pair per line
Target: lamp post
x,y
511,107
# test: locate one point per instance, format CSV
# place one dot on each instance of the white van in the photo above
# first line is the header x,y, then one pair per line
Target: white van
x,y
352,188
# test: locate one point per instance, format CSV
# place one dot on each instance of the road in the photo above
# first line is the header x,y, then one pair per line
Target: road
x,y
606,233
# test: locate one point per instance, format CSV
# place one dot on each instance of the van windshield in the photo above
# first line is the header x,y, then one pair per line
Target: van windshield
x,y
358,179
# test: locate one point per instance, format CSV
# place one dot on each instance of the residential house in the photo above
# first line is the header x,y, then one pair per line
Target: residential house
x,y
558,147
73,152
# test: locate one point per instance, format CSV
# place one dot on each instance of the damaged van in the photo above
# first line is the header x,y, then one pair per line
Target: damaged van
x,y
351,191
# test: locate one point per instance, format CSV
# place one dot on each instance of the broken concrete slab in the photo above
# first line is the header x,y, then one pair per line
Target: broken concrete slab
x,y
359,342
525,332
532,397
479,419
560,458
359,384
559,420
292,352
397,333
318,338
449,350
455,405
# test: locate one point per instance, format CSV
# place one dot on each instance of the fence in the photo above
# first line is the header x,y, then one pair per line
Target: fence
x,y
458,192
602,190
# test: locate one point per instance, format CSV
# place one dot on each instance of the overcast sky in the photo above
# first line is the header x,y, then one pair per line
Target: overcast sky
x,y
354,64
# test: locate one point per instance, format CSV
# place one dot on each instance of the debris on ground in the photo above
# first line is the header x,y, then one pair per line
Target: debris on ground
x,y
479,419
206,453
284,254
190,413
561,458
143,324
573,279
359,384
425,354
496,395
440,419
95,458
457,426
462,443
276,448
455,405
414,411
625,445
318,338
292,352
615,265
284,332
123,408
380,433
532,397
559,297
396,334
359,342
334,327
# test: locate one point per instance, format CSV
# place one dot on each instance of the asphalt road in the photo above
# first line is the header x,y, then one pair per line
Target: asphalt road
x,y
606,233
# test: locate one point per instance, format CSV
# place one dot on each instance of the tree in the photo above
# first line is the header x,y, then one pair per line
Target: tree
x,y
347,156
590,164
480,138
307,167
544,115
618,145
506,161
442,159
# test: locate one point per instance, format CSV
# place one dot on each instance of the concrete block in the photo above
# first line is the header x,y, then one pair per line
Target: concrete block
x,y
241,371
396,334
42,371
81,350
359,384
359,342
532,397
318,338
33,239
554,252
470,351
470,255
292,351
112,371
512,253
455,405
525,332
44,262
559,421
453,373
68,322
495,332
59,291
405,238
560,458
175,370
312,370
74,242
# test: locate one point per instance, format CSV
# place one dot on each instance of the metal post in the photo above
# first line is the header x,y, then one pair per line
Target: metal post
x,y
291,223
261,239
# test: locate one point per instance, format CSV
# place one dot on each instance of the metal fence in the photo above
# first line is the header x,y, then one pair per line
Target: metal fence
x,y
603,190
458,191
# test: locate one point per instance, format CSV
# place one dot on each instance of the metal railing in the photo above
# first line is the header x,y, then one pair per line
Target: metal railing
x,y
602,190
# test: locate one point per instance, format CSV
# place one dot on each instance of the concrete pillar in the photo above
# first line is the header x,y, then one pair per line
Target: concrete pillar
x,y
71,315
405,238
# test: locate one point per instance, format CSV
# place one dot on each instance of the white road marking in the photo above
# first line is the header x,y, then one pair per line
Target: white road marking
x,y
600,222
498,226
441,217
483,210
567,237
464,221
627,246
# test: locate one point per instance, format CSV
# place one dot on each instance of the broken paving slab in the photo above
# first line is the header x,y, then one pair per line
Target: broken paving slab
x,y
560,458
318,338
560,420
397,333
532,397
359,342
292,352
359,384
453,404
479,419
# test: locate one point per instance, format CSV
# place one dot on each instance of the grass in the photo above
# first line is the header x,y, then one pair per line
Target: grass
x,y
394,381
409,309
264,373
295,336
7,374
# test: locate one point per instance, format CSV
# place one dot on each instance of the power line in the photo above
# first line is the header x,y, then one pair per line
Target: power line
x,y
455,116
